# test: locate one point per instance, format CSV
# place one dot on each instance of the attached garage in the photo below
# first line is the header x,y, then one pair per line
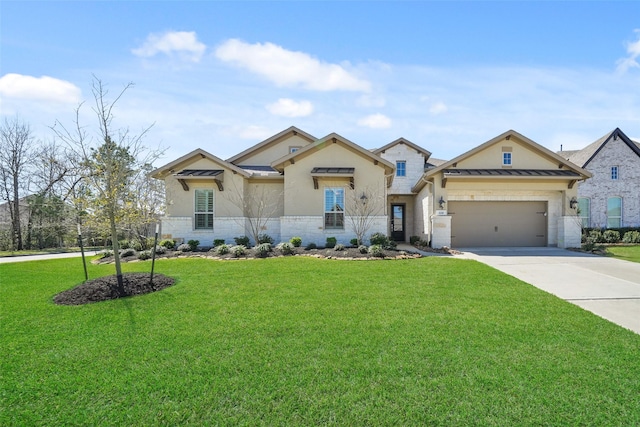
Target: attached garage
x,y
496,223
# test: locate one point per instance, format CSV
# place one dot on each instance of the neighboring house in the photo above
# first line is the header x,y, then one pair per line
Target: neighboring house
x,y
611,198
509,191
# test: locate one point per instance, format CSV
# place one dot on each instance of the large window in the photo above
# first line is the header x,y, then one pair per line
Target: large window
x,y
401,168
584,211
203,209
614,212
334,207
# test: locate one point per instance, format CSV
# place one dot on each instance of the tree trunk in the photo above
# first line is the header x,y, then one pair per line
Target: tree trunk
x,y
116,253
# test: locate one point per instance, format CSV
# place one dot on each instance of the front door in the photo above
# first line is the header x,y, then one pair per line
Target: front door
x,y
397,223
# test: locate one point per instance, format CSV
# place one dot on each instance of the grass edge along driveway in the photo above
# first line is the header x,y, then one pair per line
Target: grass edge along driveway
x,y
297,341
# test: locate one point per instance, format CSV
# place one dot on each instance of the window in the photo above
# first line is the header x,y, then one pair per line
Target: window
x,y
614,212
614,172
506,159
334,207
203,209
401,168
584,211
293,149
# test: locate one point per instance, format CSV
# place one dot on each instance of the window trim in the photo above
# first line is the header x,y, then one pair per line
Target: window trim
x,y
335,225
611,217
615,173
507,158
403,168
207,214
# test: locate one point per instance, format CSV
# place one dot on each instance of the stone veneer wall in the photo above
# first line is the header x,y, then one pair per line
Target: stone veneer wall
x,y
415,167
181,229
311,229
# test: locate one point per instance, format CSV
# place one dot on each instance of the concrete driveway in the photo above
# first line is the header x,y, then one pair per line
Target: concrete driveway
x,y
607,287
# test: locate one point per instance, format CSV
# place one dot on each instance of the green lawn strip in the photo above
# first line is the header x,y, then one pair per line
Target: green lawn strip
x,y
304,341
627,253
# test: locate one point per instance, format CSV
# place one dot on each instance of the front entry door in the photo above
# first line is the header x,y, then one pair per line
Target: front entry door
x,y
397,223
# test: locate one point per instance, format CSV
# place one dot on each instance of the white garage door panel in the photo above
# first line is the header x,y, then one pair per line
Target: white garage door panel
x,y
477,224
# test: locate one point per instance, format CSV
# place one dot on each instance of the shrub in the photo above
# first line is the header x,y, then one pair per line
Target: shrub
x,y
414,240
595,236
376,251
160,249
105,254
184,247
631,237
338,247
286,248
124,244
611,236
135,245
262,249
127,252
265,238
311,246
222,249
296,241
363,249
193,244
218,242
238,250
379,239
331,242
242,241
168,243
354,241
144,255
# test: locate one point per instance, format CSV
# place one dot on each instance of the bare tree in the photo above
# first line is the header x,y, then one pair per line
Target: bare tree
x,y
16,143
108,162
362,209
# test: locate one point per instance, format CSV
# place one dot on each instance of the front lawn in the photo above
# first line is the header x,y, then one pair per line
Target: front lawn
x,y
627,253
302,341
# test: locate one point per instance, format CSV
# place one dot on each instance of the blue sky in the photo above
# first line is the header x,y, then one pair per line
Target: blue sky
x,y
223,76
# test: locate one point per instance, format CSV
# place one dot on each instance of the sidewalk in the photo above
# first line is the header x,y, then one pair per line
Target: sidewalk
x,y
24,258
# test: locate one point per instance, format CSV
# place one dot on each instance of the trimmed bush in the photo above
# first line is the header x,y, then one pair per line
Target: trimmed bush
x,y
222,249
238,250
135,245
611,236
285,247
339,247
262,250
631,237
311,246
378,239
160,249
143,255
376,251
414,240
265,238
331,242
184,247
242,241
124,244
296,241
193,244
105,254
595,236
363,249
354,241
168,243
218,242
127,252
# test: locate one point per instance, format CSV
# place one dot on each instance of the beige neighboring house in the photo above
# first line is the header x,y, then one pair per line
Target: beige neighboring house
x,y
611,198
509,191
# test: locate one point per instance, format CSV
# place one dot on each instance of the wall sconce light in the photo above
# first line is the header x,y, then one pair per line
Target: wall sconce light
x,y
441,202
573,203
364,199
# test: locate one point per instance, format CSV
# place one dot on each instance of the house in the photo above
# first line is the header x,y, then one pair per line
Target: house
x,y
611,198
508,191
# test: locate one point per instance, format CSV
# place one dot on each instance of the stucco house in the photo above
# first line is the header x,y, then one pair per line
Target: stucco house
x,y
508,191
611,198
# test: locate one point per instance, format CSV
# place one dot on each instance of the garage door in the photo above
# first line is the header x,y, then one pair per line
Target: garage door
x,y
477,224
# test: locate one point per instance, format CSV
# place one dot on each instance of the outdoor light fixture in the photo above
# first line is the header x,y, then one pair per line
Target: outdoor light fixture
x,y
573,203
364,199
441,202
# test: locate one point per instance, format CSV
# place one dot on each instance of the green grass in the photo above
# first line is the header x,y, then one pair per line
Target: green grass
x,y
297,341
627,253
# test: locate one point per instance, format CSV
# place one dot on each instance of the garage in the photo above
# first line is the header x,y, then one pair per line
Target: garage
x,y
486,223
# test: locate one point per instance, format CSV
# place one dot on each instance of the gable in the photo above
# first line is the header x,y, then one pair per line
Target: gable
x,y
275,147
196,160
616,138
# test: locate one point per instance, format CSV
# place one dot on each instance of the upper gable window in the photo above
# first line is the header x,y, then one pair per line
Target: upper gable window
x,y
293,149
614,172
506,159
401,168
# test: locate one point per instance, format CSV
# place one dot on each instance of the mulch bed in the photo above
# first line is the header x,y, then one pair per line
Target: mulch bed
x,y
106,288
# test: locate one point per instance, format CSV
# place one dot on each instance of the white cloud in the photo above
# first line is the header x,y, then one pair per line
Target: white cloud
x,y
43,88
631,61
184,44
375,121
289,108
438,108
288,68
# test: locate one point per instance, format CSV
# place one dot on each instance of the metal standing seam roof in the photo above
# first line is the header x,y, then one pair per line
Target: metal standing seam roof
x,y
345,171
450,173
199,172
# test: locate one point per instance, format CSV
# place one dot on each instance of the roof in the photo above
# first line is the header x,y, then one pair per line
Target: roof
x,y
584,156
198,153
200,172
580,173
271,140
406,142
541,173
338,171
